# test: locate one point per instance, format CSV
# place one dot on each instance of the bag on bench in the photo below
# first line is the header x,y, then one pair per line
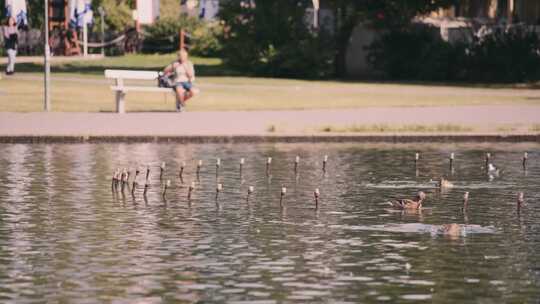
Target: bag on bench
x,y
165,81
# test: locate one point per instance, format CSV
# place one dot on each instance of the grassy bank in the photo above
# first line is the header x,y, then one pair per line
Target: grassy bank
x,y
80,86
396,128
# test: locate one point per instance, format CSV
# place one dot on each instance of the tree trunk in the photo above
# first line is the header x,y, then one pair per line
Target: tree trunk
x,y
343,37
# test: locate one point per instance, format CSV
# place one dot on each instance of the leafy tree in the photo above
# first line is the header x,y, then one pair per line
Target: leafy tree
x,y
118,14
169,9
385,14
260,33
162,36
272,38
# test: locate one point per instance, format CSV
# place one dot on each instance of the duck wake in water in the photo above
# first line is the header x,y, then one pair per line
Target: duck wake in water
x,y
452,229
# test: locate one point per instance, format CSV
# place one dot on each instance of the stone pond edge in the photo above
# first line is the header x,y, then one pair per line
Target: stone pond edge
x,y
334,138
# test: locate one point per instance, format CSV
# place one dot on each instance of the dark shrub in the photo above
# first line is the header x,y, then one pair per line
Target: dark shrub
x,y
504,56
418,53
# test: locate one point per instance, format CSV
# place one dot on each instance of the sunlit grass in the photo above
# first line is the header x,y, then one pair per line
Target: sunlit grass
x,y
506,129
395,128
81,86
91,93
534,128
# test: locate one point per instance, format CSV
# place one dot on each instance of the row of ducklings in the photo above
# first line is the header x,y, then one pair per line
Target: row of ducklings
x,y
491,169
416,203
121,178
404,204
125,173
488,164
219,187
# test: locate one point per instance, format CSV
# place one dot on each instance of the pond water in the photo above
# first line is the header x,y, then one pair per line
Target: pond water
x,y
65,237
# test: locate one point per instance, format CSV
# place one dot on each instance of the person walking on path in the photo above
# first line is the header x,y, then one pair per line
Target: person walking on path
x,y
11,37
183,74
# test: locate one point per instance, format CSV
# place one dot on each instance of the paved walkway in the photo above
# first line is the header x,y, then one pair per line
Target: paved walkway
x,y
484,119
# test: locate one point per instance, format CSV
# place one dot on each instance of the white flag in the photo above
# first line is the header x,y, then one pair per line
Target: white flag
x,y
208,9
80,12
17,9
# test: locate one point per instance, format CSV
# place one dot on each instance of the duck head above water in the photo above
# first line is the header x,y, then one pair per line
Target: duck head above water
x,y
444,183
420,197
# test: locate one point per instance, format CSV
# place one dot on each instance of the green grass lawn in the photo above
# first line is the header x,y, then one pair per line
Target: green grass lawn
x,y
81,86
205,66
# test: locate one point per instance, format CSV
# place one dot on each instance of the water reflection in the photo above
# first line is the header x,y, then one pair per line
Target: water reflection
x,y
64,237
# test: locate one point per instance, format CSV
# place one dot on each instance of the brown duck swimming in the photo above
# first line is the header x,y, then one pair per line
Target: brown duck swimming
x,y
410,204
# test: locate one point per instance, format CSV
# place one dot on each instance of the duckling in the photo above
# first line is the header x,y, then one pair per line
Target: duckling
x,y
444,183
520,200
410,204
492,171
465,201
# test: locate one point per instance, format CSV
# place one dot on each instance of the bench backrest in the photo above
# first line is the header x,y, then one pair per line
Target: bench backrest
x,y
131,74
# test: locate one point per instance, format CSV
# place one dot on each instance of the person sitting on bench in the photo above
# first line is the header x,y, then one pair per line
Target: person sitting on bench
x,y
183,77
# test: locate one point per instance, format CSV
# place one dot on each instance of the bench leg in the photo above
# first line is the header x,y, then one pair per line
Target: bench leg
x,y
120,103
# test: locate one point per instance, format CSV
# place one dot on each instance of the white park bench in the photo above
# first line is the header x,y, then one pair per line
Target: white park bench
x,y
121,89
